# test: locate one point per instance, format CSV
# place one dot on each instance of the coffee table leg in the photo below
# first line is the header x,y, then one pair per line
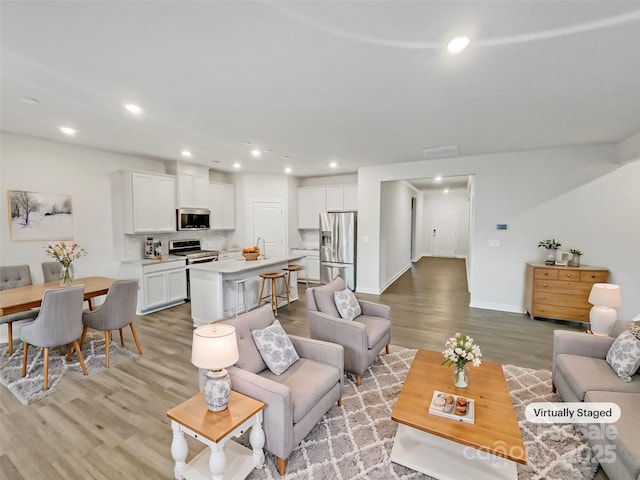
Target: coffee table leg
x,y
217,461
256,438
179,450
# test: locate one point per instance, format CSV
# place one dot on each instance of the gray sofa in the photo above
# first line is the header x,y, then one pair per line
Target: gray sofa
x,y
581,374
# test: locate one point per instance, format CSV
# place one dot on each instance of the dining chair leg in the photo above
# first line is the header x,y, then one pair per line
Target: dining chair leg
x,y
10,333
106,347
76,345
84,335
121,338
25,347
135,338
60,350
387,349
46,368
68,352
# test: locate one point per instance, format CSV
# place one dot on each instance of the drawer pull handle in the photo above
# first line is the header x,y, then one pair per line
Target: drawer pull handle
x,y
544,285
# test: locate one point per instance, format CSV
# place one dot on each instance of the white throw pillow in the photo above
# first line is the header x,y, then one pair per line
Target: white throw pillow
x,y
347,304
275,347
624,354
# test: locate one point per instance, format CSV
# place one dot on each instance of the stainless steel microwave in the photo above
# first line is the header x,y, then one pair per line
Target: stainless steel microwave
x,y
193,218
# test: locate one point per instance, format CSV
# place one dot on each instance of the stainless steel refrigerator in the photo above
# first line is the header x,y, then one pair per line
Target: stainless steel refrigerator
x,y
338,232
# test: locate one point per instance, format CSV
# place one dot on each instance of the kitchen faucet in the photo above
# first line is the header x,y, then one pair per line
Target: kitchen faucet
x,y
263,250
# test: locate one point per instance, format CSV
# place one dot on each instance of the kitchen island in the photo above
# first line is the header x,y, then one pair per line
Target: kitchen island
x,y
213,297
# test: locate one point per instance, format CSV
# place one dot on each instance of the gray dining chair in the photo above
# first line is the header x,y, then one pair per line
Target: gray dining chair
x,y
12,277
59,322
117,311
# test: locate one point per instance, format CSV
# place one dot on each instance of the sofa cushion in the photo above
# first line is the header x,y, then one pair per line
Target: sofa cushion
x,y
375,327
627,437
275,347
324,296
250,358
309,381
347,304
586,373
624,354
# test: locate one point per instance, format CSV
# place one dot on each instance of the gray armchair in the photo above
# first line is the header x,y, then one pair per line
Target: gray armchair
x,y
12,277
59,322
297,399
363,338
117,311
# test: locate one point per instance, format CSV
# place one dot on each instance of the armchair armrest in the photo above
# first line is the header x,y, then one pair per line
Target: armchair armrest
x,y
347,333
325,352
278,413
577,343
375,309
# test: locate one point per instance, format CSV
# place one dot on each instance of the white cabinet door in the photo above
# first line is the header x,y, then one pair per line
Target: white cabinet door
x,y
201,191
223,206
313,268
335,199
155,289
176,284
149,203
193,186
351,197
185,189
311,202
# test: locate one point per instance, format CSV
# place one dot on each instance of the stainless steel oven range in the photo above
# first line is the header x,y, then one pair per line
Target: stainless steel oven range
x,y
193,252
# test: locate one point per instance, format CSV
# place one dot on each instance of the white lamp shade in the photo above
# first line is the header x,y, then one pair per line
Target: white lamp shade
x,y
214,347
605,295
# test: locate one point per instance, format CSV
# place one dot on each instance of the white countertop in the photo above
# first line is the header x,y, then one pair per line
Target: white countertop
x,y
153,261
241,265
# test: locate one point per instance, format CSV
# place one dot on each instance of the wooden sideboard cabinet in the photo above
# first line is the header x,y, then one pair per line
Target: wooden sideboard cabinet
x,y
561,292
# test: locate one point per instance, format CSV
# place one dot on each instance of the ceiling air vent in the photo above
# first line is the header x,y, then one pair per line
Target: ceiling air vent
x,y
440,152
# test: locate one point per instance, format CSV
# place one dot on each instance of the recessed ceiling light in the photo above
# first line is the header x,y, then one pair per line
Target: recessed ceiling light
x,y
68,131
333,164
236,165
29,100
446,190
133,108
186,153
437,179
255,152
457,45
288,170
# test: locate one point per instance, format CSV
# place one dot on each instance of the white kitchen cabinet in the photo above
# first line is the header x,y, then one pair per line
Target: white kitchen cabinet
x,y
311,202
193,184
222,197
162,284
350,197
342,197
149,202
311,263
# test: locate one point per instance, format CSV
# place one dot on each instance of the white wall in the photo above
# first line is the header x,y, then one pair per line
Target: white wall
x,y
573,194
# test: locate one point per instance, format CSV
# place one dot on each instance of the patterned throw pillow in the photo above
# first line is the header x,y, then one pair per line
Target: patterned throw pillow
x,y
624,354
275,347
347,304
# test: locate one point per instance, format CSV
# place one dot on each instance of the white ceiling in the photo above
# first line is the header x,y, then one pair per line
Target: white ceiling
x,y
359,83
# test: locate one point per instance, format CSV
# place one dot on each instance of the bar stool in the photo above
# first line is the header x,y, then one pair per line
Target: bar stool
x,y
295,268
238,282
274,276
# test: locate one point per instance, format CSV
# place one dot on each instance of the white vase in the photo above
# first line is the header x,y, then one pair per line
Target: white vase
x,y
461,376
551,256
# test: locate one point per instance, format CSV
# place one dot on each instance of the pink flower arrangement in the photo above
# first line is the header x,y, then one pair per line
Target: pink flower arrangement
x,y
65,253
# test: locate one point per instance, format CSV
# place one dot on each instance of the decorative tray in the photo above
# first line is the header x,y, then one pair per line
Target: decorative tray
x,y
453,407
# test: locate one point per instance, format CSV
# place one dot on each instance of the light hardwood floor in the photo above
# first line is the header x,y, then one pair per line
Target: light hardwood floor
x,y
114,424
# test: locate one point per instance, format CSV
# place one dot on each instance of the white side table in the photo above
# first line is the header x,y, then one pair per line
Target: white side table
x,y
228,459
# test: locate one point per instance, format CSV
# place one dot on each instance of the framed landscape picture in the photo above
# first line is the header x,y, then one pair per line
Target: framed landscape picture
x,y
39,216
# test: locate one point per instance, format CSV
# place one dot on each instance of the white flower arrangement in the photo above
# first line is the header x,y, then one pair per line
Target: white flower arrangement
x,y
460,350
65,253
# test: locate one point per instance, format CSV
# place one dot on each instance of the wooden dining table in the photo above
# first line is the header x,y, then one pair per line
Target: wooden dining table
x,y
24,298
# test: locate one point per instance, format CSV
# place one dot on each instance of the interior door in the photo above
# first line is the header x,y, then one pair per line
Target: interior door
x,y
444,232
268,223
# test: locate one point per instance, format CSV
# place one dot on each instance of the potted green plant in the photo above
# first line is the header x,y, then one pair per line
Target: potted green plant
x,y
575,259
551,245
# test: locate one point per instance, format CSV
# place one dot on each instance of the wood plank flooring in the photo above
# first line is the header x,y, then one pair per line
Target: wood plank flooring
x,y
114,425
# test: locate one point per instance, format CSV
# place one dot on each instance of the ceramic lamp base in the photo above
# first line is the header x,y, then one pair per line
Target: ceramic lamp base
x,y
217,389
602,319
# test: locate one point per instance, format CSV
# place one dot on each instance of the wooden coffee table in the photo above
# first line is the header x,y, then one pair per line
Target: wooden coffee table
x,y
447,449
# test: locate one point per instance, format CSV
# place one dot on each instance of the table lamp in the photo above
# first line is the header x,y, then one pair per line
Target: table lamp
x,y
605,298
215,348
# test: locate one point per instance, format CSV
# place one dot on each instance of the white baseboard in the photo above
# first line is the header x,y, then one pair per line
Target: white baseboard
x,y
500,307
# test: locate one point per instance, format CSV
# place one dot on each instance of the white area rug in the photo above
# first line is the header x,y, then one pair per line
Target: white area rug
x,y
354,441
30,388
